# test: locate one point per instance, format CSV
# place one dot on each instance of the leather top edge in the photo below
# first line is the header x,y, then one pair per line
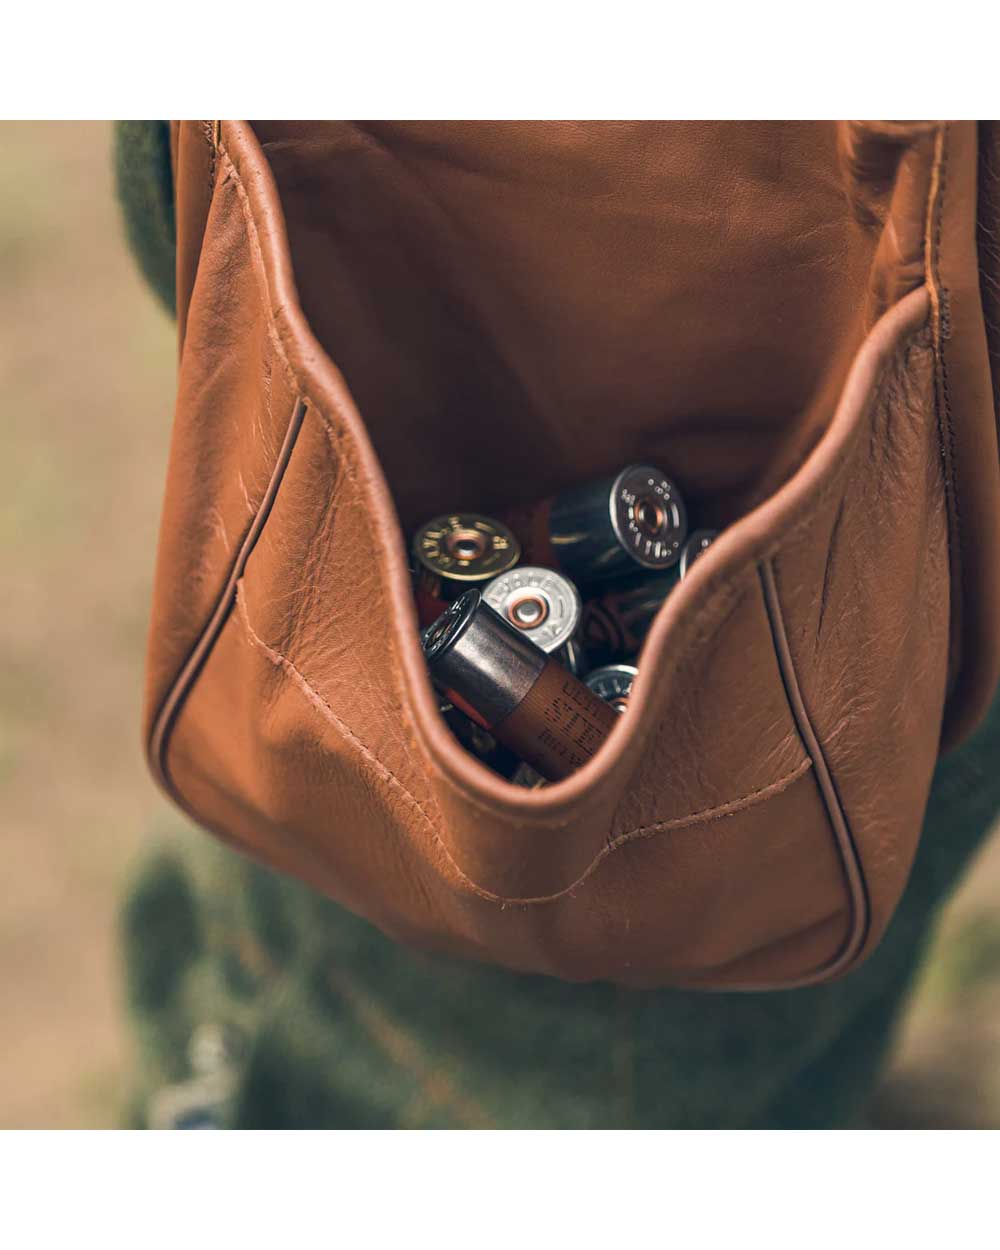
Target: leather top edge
x,y
732,556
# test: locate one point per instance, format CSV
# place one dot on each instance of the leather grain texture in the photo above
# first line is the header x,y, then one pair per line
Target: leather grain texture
x,y
786,314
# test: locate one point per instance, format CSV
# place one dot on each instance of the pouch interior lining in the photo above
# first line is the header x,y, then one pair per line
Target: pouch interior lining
x,y
521,306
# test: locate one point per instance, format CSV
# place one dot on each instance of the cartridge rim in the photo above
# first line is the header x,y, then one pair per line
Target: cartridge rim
x,y
606,672
648,516
450,625
465,547
697,544
557,598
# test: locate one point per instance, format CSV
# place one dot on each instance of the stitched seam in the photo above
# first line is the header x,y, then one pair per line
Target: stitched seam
x,y
209,133
940,327
343,445
320,704
729,808
727,598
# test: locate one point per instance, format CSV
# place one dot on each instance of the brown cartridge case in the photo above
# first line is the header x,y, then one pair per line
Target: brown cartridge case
x,y
524,697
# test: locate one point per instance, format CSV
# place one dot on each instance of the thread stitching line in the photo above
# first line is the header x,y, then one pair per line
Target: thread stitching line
x,y
316,700
940,331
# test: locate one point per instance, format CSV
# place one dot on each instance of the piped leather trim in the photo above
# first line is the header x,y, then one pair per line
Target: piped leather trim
x,y
185,679
850,860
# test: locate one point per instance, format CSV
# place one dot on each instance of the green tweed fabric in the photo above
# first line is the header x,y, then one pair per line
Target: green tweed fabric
x,y
336,1026
331,1025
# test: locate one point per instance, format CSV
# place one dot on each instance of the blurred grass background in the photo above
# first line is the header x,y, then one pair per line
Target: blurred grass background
x,y
87,379
86,375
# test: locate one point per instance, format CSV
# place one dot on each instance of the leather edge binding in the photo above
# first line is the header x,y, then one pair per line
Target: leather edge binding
x,y
182,684
850,859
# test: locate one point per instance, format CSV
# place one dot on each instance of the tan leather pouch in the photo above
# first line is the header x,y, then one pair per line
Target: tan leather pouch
x,y
787,316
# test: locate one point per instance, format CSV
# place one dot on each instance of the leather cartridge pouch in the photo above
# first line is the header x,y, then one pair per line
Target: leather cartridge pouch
x,y
382,322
